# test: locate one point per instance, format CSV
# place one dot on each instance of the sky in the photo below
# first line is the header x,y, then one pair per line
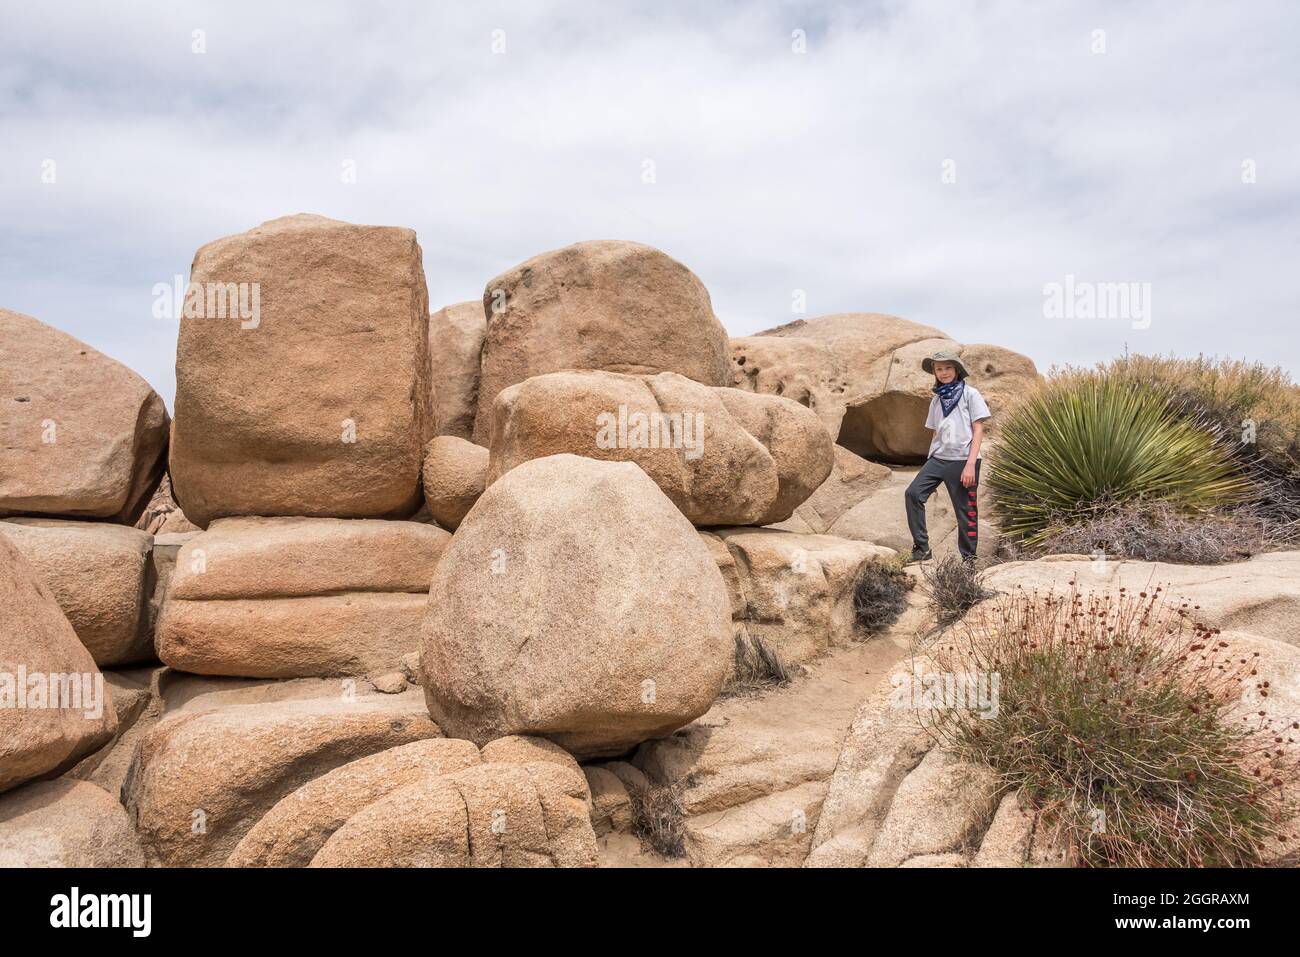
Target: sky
x,y
948,162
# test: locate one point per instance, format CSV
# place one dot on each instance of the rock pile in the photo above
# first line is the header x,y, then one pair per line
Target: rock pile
x,y
611,306
723,457
406,569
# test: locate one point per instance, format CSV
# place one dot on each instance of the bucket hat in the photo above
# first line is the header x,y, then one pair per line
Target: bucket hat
x,y
944,355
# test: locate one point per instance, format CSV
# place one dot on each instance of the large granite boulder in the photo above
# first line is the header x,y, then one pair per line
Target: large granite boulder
x,y
83,435
318,403
793,592
66,823
721,455
861,373
492,814
575,602
455,345
616,306
201,779
294,831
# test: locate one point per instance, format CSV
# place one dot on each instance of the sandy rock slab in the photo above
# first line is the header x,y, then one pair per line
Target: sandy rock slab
x,y
1260,596
201,779
755,771
883,745
55,707
297,597
606,305
852,479
575,602
1009,838
897,800
66,823
771,831
102,578
83,435
793,592
316,402
941,807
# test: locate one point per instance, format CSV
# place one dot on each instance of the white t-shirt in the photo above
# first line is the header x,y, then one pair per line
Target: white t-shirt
x,y
952,432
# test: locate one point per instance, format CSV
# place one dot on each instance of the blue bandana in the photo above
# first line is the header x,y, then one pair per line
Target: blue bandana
x,y
949,395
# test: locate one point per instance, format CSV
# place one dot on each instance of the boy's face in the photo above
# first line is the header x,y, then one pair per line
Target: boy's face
x,y
945,372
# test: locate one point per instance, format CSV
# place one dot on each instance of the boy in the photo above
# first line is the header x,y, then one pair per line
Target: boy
x,y
957,416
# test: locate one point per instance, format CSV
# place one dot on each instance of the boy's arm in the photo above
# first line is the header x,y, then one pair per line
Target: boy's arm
x,y
979,413
977,437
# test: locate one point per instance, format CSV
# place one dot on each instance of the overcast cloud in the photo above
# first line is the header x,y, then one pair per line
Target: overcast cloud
x,y
774,170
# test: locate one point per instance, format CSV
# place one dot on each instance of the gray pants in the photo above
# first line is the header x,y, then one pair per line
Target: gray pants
x,y
947,472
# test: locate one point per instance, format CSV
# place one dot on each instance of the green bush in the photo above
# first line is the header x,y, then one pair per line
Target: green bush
x,y
1086,439
1256,407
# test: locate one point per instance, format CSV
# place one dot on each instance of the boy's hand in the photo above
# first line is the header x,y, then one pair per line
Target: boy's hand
x,y
968,475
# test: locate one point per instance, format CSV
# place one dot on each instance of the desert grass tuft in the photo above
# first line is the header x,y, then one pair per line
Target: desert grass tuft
x,y
954,587
1122,719
880,595
758,667
659,819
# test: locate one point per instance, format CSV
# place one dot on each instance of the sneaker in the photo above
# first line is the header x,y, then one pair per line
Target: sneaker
x,y
920,554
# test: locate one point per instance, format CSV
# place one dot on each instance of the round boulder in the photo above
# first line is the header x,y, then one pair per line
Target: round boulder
x,y
455,472
575,602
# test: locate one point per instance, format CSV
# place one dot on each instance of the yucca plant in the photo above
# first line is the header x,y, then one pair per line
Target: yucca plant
x,y
1086,439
